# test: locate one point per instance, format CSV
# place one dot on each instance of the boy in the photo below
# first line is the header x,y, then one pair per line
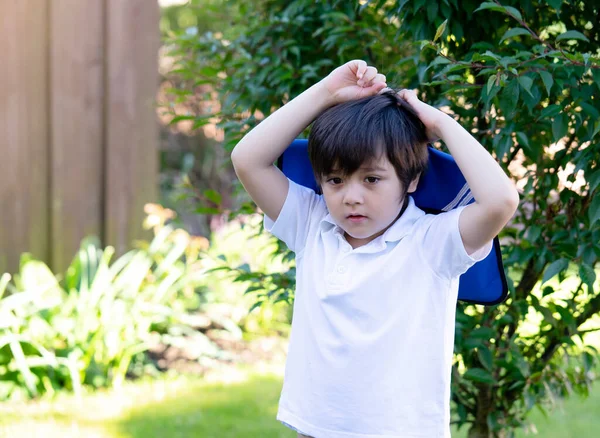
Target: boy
x,y
370,351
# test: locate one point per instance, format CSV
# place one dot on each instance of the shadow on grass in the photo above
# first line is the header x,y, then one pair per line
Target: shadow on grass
x,y
233,410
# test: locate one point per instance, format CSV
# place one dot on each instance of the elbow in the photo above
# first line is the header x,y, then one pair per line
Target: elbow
x,y
513,201
503,207
508,205
237,160
235,156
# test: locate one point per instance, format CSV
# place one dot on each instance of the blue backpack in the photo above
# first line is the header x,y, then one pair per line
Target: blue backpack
x,y
441,188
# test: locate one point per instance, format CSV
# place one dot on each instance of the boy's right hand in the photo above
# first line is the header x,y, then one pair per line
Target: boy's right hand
x,y
353,80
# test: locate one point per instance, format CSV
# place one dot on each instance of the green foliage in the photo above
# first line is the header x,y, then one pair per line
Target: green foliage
x,y
87,327
254,71
250,277
208,15
524,77
525,80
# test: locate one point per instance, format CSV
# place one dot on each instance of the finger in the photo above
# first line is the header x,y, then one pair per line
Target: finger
x,y
377,87
368,77
360,66
380,78
385,90
407,95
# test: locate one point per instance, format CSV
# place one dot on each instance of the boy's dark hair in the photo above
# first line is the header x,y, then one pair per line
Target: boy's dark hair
x,y
352,133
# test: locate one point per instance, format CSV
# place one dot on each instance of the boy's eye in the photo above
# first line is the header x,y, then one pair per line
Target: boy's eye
x,y
372,179
335,180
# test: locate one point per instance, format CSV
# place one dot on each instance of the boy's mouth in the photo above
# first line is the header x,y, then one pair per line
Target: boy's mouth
x,y
356,217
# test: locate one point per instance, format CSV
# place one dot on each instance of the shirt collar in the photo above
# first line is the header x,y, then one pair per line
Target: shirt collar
x,y
399,229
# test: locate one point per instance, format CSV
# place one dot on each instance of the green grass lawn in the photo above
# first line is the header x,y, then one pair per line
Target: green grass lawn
x,y
241,404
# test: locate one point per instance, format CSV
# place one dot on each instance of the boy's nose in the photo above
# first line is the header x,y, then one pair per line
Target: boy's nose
x,y
353,195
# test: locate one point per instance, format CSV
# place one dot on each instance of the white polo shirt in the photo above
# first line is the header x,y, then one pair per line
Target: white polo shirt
x,y
370,352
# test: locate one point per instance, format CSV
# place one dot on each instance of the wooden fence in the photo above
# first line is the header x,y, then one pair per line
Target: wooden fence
x,y
79,133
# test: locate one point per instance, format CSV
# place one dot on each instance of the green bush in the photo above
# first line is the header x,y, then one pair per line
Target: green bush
x,y
86,328
247,277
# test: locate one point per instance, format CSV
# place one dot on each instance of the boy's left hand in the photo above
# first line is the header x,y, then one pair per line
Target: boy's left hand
x,y
431,117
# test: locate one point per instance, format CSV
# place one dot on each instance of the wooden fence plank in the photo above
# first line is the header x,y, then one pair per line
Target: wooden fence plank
x,y
77,102
79,131
132,129
24,129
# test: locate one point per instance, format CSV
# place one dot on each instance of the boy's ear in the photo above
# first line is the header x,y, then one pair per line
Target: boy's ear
x,y
413,185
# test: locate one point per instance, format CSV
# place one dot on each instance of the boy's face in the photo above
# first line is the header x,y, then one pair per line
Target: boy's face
x,y
366,203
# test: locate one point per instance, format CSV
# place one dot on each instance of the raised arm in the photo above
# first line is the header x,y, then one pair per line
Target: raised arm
x,y
496,198
254,155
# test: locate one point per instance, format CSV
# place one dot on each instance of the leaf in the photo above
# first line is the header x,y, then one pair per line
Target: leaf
x,y
473,343
548,80
533,233
479,375
593,180
522,138
566,315
509,98
177,119
485,357
522,366
556,4
550,111
255,305
588,276
200,121
496,7
596,75
213,196
489,5
427,45
516,31
22,367
4,280
560,126
590,111
596,129
244,267
594,210
440,30
572,35
589,361
432,11
526,83
483,333
555,268
440,60
490,83
515,12
504,147
507,61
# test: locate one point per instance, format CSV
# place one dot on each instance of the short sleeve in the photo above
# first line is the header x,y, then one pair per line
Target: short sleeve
x,y
302,207
443,247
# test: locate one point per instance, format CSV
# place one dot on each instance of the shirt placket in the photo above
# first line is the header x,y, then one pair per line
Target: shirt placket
x,y
337,278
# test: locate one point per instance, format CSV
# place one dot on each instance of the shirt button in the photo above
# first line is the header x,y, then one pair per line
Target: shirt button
x,y
341,269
